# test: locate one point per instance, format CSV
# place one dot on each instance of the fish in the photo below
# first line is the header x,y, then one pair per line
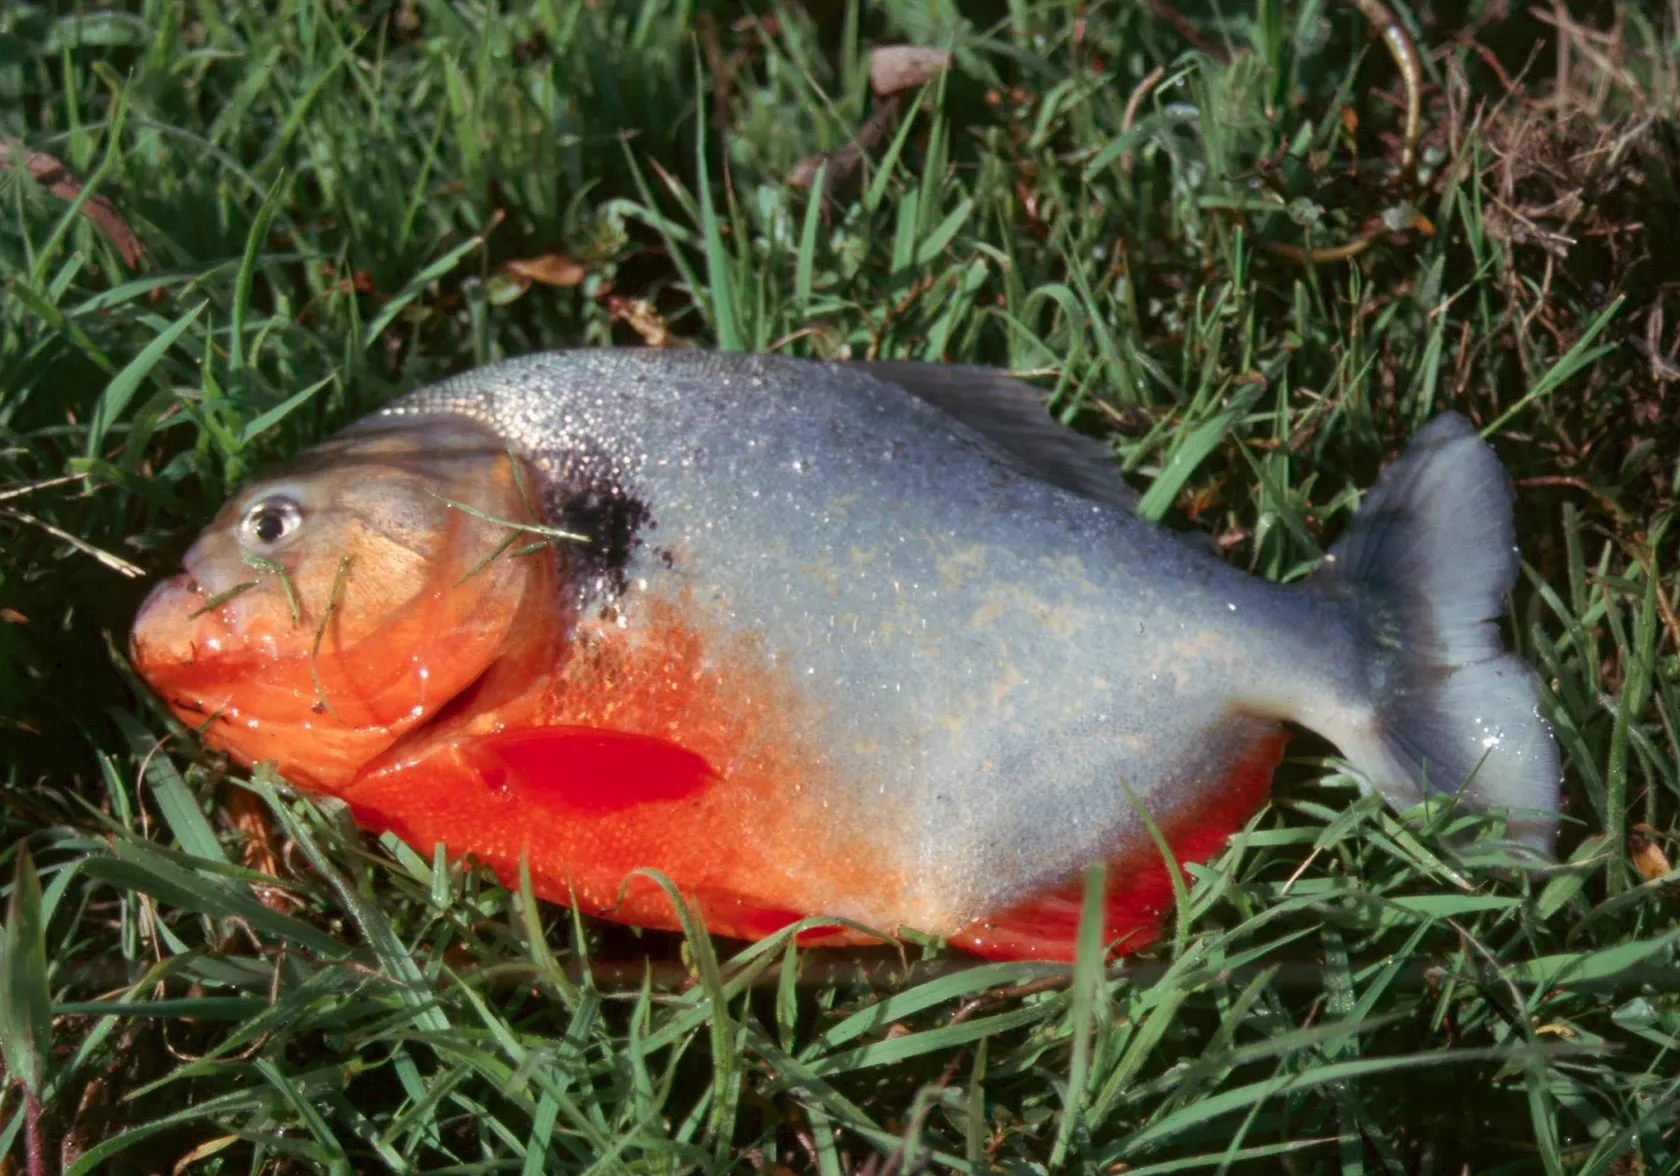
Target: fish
x,y
880,649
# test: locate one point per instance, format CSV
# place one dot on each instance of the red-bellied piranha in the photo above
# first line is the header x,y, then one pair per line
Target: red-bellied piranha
x,y
874,642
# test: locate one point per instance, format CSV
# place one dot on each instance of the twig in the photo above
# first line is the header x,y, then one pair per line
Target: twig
x,y
844,161
1574,483
22,488
1405,54
1188,31
1139,95
894,70
1003,996
114,562
56,178
1400,47
32,1133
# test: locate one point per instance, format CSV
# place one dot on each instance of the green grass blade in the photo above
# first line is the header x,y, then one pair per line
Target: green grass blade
x,y
25,1001
125,383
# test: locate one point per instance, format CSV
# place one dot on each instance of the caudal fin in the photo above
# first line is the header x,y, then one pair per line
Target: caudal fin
x,y
1425,566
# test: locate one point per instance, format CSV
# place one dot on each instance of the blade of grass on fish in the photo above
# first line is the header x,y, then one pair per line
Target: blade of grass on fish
x,y
261,564
25,999
124,384
497,552
217,601
339,577
533,528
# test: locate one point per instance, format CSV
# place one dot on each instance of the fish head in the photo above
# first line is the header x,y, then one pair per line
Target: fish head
x,y
329,610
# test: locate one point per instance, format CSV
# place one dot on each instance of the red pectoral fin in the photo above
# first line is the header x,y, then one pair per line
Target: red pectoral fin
x,y
588,769
586,808
1139,889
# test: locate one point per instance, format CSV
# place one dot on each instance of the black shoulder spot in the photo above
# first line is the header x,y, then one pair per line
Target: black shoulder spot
x,y
610,522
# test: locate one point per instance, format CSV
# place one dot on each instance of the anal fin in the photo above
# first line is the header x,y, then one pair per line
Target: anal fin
x,y
1139,892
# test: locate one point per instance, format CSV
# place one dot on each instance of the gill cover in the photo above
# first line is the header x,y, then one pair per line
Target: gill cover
x,y
326,612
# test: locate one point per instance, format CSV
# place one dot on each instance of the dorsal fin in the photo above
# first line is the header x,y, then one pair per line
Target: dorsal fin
x,y
1011,415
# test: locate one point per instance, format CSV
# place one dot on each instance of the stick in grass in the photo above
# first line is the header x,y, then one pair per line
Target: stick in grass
x,y
52,175
893,69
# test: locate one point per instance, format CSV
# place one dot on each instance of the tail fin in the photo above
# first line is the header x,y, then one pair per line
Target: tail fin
x,y
1425,565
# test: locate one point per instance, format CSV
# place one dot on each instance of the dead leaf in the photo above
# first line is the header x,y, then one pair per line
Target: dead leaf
x,y
245,812
1648,857
204,1151
843,162
642,318
56,178
896,68
551,269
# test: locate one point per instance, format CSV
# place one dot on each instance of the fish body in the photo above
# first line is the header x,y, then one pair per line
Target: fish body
x,y
875,643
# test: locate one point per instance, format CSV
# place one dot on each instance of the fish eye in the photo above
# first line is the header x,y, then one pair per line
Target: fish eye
x,y
269,520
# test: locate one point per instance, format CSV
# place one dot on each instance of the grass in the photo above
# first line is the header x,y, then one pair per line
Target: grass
x,y
338,202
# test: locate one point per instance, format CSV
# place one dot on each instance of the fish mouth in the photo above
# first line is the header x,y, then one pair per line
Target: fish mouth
x,y
320,711
244,699
168,628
